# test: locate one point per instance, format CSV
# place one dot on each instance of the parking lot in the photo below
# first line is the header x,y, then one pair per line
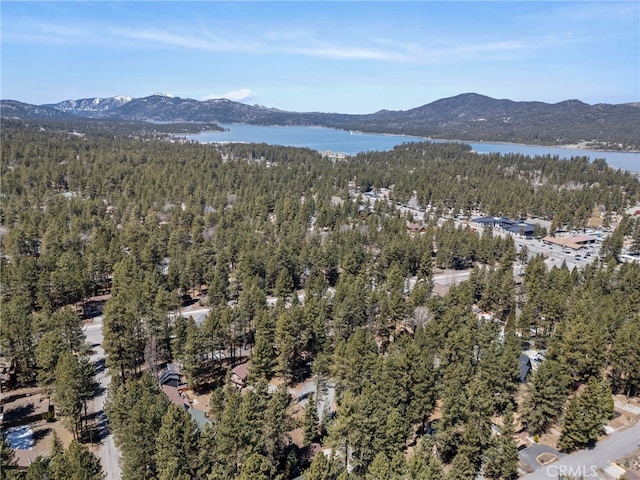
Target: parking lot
x,y
555,254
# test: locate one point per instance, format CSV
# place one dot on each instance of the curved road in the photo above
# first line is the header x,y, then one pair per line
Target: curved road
x,y
586,463
107,452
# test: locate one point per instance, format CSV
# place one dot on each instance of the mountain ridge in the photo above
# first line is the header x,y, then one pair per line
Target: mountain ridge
x,y
469,98
467,117
90,105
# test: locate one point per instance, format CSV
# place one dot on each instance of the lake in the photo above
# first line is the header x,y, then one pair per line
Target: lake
x,y
329,139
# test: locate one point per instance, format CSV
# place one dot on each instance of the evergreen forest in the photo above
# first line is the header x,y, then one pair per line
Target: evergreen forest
x,y
309,276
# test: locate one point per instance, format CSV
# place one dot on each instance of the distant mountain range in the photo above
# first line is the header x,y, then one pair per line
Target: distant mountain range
x,y
91,106
469,117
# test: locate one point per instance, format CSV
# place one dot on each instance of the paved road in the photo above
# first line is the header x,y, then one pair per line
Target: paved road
x,y
586,462
107,452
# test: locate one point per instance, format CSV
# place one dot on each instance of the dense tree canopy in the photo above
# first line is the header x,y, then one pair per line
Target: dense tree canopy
x,y
311,272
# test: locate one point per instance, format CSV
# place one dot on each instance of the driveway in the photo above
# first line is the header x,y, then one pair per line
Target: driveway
x,y
324,399
529,456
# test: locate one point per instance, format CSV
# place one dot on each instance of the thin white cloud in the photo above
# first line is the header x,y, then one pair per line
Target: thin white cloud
x,y
62,30
383,49
186,41
37,32
491,50
490,47
240,95
348,53
300,42
291,43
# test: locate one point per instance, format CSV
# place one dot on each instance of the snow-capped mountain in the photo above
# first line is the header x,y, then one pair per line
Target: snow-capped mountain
x,y
91,106
468,116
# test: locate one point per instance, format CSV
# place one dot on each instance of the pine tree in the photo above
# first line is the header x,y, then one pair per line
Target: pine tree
x,y
478,424
18,341
122,327
179,335
119,331
135,411
256,467
462,468
175,449
586,415
423,384
210,465
76,463
501,458
56,467
48,353
81,464
546,394
625,358
395,432
68,394
286,343
277,422
252,420
379,469
399,467
6,455
582,347
284,284
39,469
193,355
228,445
262,358
323,468
311,421
574,428
356,362
423,465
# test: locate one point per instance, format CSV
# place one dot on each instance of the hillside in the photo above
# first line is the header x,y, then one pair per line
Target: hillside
x,y
468,116
26,111
476,117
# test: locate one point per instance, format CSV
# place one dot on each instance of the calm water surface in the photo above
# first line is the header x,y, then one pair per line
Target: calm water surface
x,y
329,139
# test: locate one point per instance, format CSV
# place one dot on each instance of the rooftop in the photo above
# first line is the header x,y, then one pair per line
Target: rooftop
x,y
173,394
575,242
241,371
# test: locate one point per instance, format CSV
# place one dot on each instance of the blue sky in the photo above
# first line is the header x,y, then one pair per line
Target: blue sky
x,y
351,57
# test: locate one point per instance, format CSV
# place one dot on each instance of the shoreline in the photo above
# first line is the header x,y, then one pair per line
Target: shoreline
x,y
617,159
568,146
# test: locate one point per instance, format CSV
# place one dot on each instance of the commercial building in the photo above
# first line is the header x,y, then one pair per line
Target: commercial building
x,y
514,227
